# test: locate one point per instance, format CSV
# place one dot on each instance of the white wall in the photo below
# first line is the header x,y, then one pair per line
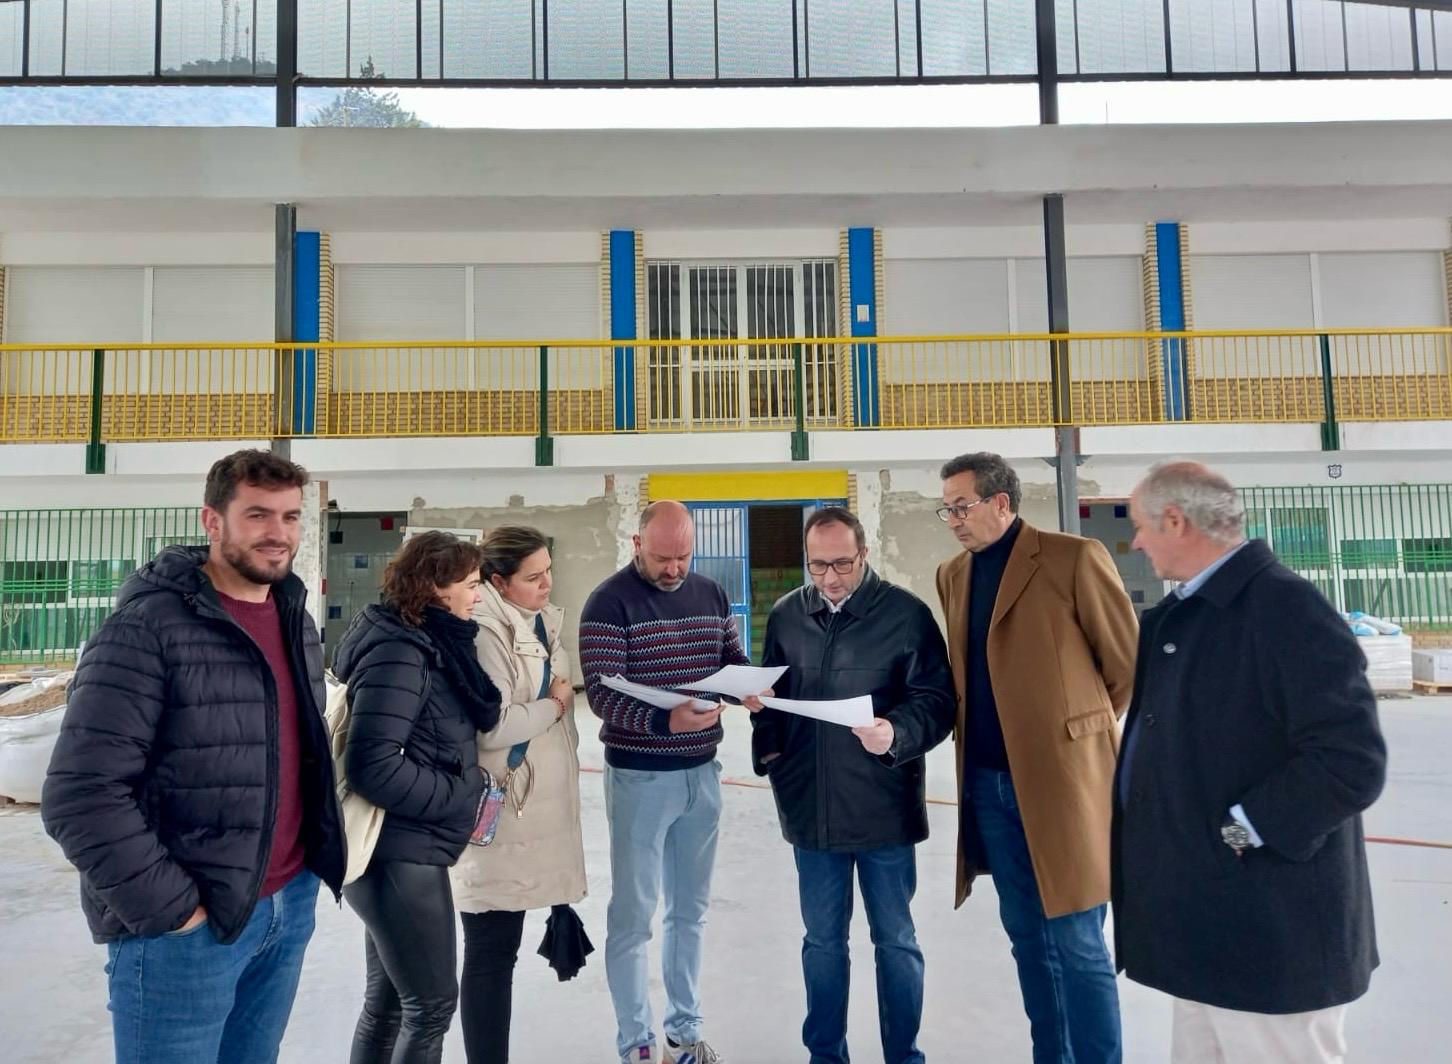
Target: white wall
x,y
264,166
951,296
1345,289
492,301
92,306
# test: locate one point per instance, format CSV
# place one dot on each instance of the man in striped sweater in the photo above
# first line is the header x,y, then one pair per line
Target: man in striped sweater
x,y
655,622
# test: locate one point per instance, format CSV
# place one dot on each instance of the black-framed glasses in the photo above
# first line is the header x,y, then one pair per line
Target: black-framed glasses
x,y
842,566
960,512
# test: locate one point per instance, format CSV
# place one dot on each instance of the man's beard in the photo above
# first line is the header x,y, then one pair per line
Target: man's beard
x,y
659,585
240,558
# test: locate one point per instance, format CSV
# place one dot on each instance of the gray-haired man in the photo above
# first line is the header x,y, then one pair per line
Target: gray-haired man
x,y
1251,749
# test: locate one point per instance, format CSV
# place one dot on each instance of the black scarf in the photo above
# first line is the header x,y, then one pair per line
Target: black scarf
x,y
454,638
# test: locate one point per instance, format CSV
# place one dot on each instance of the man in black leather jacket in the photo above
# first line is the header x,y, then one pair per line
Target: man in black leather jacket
x,y
854,798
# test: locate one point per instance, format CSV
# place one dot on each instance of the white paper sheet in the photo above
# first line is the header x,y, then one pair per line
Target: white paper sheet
x,y
738,681
849,712
653,696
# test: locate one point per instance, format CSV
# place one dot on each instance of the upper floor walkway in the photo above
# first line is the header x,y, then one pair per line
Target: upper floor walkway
x,y
99,393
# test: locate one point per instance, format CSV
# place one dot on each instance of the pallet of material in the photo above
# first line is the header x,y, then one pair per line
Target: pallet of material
x,y
1426,687
1388,661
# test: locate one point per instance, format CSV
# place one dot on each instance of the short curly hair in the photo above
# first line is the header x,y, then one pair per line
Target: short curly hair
x,y
426,563
992,475
260,469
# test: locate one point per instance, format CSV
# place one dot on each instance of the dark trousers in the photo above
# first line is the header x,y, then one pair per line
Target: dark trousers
x,y
408,910
486,992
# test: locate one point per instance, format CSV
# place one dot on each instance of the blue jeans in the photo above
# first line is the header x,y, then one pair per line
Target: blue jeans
x,y
662,833
187,999
1064,970
888,878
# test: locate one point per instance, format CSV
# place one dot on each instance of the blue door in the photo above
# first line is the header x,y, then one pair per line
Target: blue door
x,y
723,553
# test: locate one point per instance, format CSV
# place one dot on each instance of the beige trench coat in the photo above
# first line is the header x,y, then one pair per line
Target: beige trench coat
x,y
538,859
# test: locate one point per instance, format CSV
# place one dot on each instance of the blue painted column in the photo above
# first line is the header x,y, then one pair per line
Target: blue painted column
x,y
1170,271
862,274
622,324
305,326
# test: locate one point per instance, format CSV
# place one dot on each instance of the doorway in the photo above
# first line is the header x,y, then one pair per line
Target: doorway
x,y
1107,520
359,547
753,550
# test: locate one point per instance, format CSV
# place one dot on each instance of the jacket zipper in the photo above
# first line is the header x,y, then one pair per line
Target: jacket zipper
x,y
825,821
270,808
322,752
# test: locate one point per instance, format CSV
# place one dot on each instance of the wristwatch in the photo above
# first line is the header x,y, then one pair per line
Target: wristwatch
x,y
1235,835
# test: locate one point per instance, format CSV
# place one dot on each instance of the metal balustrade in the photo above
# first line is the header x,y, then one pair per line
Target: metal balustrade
x,y
146,392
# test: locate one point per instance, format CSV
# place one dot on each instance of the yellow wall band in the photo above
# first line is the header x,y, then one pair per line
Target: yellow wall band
x,y
743,486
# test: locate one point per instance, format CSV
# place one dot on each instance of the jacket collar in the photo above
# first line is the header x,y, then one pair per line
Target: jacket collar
x,y
494,607
179,569
858,604
1022,564
1226,583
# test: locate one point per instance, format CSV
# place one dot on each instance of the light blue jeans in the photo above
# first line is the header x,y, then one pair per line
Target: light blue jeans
x,y
663,828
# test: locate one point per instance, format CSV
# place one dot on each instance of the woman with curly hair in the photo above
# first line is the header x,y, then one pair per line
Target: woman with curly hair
x,y
418,698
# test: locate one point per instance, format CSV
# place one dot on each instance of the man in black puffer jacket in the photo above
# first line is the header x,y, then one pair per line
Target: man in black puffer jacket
x,y
854,798
192,784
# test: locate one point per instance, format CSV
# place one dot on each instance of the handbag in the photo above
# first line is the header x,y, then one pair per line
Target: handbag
x,y
362,820
496,792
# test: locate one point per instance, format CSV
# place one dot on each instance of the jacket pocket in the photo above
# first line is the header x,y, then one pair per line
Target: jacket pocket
x,y
1101,720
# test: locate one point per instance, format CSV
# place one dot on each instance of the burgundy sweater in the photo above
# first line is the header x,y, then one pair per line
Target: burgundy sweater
x,y
262,622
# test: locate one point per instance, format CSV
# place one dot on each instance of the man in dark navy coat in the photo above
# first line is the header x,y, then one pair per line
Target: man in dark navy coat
x,y
1251,749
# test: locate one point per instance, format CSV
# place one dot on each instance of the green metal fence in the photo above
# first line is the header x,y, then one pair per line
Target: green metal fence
x,y
1385,549
60,571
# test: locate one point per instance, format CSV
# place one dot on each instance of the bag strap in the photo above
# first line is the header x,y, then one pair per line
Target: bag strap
x,y
517,751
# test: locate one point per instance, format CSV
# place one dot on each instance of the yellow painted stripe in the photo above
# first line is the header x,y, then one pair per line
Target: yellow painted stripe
x,y
742,486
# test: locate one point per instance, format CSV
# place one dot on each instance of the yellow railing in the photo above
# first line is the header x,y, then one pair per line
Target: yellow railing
x,y
255,391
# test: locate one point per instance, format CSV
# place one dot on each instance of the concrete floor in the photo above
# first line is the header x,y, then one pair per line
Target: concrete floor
x,y
52,989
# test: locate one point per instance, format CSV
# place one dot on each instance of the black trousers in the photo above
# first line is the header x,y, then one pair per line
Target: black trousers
x,y
411,951
491,948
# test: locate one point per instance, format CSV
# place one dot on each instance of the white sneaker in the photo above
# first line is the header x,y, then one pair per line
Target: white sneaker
x,y
640,1055
697,1052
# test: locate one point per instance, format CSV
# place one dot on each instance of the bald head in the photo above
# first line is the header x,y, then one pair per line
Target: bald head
x,y
666,512
664,544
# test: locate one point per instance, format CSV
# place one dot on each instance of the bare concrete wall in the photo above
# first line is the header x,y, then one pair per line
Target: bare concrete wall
x,y
585,537
912,542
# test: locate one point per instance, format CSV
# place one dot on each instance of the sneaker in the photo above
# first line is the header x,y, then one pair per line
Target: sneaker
x,y
639,1055
697,1052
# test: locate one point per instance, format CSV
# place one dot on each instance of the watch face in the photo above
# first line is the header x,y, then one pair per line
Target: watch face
x,y
1235,836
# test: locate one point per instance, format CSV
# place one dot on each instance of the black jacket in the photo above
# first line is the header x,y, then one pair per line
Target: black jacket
x,y
831,794
162,786
411,744
1252,691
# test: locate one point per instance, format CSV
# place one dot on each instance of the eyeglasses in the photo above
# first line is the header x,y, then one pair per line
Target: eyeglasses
x,y
960,512
842,566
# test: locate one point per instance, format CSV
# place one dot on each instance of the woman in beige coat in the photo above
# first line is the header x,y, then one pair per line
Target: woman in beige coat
x,y
536,858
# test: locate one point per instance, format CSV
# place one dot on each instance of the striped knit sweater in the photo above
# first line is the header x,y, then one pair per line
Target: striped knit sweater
x,y
659,638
